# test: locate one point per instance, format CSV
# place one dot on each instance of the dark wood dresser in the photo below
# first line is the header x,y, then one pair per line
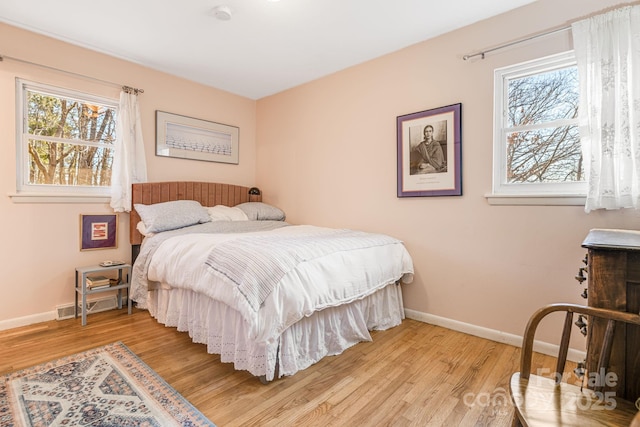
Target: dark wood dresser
x,y
613,271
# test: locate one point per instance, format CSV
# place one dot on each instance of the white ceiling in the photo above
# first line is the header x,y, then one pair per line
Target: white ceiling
x,y
265,47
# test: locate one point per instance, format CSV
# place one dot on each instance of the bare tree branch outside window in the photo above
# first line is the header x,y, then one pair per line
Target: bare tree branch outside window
x,y
70,142
543,143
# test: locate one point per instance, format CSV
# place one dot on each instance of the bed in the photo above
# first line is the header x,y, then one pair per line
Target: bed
x,y
248,284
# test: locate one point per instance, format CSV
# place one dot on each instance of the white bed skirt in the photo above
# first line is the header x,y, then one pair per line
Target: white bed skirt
x,y
326,333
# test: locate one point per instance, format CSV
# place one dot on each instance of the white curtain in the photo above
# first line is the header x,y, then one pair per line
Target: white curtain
x,y
129,164
607,49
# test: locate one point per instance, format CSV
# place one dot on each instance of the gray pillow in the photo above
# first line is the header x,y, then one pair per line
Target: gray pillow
x,y
258,211
171,215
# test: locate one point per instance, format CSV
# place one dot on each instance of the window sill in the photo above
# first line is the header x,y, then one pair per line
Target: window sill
x,y
57,198
535,200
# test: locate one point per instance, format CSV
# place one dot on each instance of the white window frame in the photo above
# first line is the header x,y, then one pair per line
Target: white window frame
x,y
570,193
25,192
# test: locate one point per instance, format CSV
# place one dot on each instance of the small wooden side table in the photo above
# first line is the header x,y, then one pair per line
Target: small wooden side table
x,y
124,272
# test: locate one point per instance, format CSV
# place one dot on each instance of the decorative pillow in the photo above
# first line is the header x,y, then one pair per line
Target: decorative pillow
x,y
258,211
171,215
143,230
226,213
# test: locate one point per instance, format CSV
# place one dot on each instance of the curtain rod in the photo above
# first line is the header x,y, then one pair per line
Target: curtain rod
x,y
526,39
125,88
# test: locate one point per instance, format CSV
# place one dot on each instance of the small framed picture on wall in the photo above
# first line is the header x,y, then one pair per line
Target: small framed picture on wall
x,y
98,231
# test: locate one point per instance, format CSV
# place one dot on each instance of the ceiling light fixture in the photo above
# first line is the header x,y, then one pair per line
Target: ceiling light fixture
x,y
222,12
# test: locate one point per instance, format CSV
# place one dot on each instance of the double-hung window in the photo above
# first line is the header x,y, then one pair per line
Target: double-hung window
x,y
537,151
65,142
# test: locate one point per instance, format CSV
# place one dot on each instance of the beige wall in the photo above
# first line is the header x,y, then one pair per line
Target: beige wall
x,y
39,247
327,155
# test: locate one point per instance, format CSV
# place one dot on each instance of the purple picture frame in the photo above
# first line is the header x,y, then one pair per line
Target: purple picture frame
x,y
429,155
98,231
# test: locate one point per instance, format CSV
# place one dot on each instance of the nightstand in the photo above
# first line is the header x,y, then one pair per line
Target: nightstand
x,y
124,273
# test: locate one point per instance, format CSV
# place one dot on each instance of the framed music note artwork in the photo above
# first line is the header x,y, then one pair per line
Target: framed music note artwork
x,y
190,138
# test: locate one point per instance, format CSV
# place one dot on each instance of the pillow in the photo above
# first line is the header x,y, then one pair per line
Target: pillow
x,y
258,211
226,213
171,215
143,230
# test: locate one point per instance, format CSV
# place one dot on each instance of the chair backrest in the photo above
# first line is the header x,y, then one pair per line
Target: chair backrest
x,y
612,317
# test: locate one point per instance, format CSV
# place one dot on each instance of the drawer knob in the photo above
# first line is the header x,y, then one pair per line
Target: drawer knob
x,y
580,323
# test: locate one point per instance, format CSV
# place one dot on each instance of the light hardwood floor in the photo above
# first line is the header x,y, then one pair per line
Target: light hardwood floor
x,y
413,375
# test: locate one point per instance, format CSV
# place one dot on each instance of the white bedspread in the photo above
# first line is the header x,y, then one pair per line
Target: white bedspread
x,y
257,264
331,280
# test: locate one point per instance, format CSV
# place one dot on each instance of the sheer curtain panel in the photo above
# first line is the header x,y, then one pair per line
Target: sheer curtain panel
x,y
129,164
607,49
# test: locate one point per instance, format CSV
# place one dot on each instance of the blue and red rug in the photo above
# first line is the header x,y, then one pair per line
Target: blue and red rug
x,y
105,386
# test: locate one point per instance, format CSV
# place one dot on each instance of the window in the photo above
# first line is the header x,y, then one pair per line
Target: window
x,y
65,141
537,149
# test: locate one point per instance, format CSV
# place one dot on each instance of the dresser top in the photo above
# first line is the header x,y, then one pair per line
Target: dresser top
x,y
601,238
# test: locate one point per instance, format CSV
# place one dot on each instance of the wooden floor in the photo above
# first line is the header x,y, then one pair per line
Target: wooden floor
x,y
412,375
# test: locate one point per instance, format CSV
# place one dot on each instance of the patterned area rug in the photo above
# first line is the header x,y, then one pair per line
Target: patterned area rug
x,y
106,386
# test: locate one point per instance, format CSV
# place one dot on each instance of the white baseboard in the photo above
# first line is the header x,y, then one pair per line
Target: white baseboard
x,y
574,355
55,315
27,320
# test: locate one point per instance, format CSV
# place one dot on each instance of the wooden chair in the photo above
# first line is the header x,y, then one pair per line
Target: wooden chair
x,y
549,401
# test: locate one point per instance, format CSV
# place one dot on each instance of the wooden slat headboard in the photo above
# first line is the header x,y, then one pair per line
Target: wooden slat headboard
x,y
207,193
